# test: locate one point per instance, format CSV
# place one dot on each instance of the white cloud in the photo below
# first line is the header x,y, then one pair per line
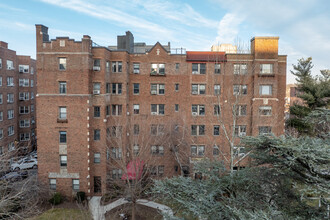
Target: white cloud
x,y
228,28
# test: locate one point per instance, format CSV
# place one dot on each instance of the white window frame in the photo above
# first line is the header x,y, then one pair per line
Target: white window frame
x,y
10,81
214,130
1,115
268,130
52,184
157,150
62,112
62,87
136,68
157,129
23,68
199,130
24,96
199,149
11,130
24,110
62,64
217,89
240,90
1,98
199,69
198,89
10,98
136,109
0,80
240,110
265,110
240,130
136,88
116,66
240,69
96,88
75,184
157,89
157,69
217,68
157,109
197,110
267,68
1,134
116,88
10,65
23,82
264,91
116,153
24,136
25,123
10,114
97,157
116,110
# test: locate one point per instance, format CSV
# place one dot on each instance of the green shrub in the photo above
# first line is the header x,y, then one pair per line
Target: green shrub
x,y
56,199
80,196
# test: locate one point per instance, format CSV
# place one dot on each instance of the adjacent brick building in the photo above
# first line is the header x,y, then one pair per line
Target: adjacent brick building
x,y
17,107
101,107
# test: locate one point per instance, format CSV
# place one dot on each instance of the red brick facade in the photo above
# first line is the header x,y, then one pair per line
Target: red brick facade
x,y
165,98
17,106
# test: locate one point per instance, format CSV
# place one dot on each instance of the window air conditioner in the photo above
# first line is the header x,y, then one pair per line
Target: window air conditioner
x,y
96,92
136,71
194,113
153,92
153,113
21,71
96,68
194,92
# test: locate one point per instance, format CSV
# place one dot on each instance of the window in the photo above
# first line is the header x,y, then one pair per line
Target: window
x,y
217,89
97,65
216,150
157,150
266,69
97,111
216,130
177,66
52,184
62,63
197,150
10,98
24,109
32,108
176,107
240,130
136,88
116,153
157,130
157,170
24,137
62,87
107,110
265,130
0,63
75,184
157,69
97,134
136,68
97,184
1,98
116,88
32,83
11,130
1,148
24,82
265,89
96,88
265,110
97,158
241,110
107,87
198,110
136,129
176,87
116,131
1,115
10,81
62,43
240,89
157,109
197,130
32,70
1,133
116,109
32,120
10,65
198,89
63,160
216,109
0,80
240,69
62,113
117,67
136,149
23,96
32,95
11,146
62,137
217,68
116,174
24,123
107,66
136,109
23,68
157,89
198,68
10,114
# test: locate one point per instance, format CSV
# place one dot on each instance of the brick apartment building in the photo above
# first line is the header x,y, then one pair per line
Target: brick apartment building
x,y
101,107
17,106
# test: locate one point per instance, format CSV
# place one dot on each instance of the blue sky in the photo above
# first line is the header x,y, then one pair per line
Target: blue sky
x,y
302,25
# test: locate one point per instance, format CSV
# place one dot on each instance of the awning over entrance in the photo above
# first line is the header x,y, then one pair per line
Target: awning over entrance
x,y
134,170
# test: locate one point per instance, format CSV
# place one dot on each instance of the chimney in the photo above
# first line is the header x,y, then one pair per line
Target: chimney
x,y
3,44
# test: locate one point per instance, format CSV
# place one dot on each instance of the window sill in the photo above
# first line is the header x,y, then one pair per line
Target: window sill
x,y
266,75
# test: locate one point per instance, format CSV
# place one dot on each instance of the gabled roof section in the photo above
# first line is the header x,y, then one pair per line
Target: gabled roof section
x,y
159,45
206,56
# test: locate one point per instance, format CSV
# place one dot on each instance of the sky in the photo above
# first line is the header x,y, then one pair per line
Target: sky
x,y
302,25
